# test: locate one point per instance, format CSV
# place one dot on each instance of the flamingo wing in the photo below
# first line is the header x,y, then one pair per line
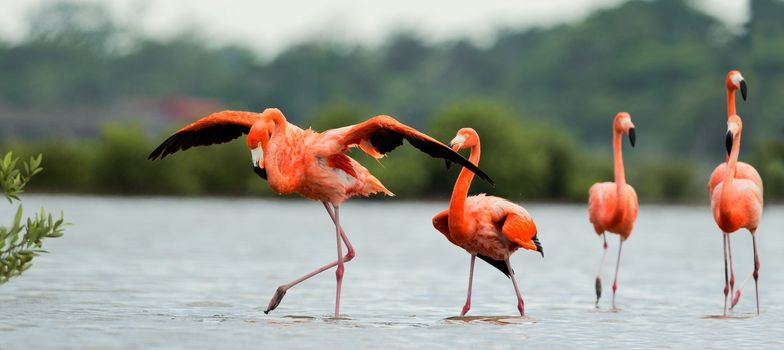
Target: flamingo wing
x,y
521,230
219,127
382,134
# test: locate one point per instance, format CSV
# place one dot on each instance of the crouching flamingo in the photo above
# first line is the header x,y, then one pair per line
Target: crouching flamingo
x,y
736,203
312,164
612,206
489,227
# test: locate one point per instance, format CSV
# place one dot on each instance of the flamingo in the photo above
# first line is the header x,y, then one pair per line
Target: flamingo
x,y
733,82
612,206
311,164
737,203
489,227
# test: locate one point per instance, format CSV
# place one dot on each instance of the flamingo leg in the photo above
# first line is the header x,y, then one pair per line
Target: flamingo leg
x,y
467,305
339,270
617,265
754,274
282,289
726,274
756,269
598,273
520,303
732,271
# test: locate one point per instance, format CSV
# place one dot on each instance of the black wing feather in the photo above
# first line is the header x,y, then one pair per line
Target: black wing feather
x,y
499,264
385,140
210,135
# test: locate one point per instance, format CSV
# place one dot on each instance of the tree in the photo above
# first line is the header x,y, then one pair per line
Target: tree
x,y
23,240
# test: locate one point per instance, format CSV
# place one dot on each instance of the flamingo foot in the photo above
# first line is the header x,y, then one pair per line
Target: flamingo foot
x,y
466,307
276,299
598,291
735,299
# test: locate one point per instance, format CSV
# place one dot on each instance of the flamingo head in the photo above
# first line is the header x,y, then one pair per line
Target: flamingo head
x,y
465,138
735,81
734,127
623,123
257,140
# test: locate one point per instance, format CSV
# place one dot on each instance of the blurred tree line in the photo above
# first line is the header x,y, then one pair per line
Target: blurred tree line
x,y
542,100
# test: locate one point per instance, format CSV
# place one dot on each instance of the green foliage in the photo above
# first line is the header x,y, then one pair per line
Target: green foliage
x,y
770,164
23,240
663,61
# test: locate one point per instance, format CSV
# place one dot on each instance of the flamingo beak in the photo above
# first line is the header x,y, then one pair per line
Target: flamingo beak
x,y
632,136
257,156
728,142
743,89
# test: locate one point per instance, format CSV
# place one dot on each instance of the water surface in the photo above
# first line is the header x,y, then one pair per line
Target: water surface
x,y
198,273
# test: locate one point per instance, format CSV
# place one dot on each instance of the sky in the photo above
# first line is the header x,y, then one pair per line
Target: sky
x,y
271,26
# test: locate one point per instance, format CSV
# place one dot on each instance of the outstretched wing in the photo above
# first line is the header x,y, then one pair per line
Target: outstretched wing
x,y
522,231
382,134
215,128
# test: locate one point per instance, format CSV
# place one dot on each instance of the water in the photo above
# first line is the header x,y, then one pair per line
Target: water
x,y
198,273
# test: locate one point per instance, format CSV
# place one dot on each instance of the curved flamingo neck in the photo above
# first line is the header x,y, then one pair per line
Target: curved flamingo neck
x,y
730,102
280,180
730,106
620,176
457,216
276,116
732,163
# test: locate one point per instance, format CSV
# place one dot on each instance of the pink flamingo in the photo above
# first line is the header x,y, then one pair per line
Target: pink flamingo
x,y
485,226
737,203
310,163
612,206
733,82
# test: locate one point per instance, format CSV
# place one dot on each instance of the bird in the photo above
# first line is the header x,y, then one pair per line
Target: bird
x,y
733,82
612,206
311,164
736,203
488,227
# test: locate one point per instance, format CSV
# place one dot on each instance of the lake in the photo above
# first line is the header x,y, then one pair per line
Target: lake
x,y
150,273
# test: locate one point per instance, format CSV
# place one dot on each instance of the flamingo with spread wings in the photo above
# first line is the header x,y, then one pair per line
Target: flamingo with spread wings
x,y
489,227
310,163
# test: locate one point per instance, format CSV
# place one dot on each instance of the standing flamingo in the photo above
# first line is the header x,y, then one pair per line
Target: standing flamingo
x,y
310,163
733,82
486,226
737,203
612,206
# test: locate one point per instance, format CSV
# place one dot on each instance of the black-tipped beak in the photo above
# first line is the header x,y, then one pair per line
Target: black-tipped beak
x,y
538,245
261,172
632,136
728,142
743,89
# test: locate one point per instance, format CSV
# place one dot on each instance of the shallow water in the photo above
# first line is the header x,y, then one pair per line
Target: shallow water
x,y
198,273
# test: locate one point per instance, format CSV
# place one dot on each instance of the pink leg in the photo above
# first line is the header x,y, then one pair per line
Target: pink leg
x,y
617,265
754,274
601,264
726,274
339,270
281,291
756,268
520,303
732,271
467,305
